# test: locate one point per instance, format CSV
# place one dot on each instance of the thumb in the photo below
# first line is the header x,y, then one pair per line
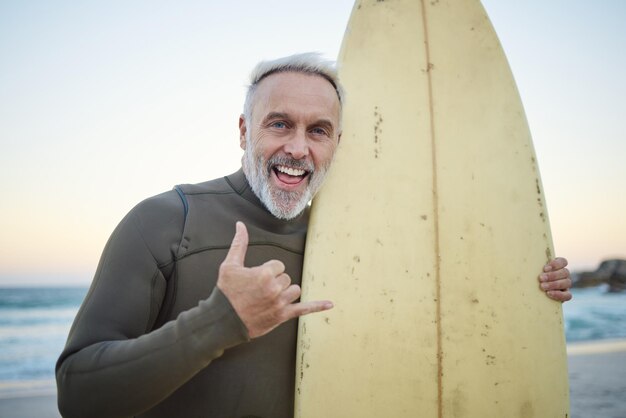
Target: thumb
x,y
239,246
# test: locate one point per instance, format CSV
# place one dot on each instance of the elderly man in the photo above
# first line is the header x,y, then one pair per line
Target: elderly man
x,y
175,324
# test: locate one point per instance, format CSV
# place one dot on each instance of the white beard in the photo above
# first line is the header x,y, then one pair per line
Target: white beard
x,y
280,203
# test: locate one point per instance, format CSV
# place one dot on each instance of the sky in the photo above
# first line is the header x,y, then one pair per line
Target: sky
x,y
103,104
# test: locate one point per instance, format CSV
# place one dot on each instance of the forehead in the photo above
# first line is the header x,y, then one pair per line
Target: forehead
x,y
296,93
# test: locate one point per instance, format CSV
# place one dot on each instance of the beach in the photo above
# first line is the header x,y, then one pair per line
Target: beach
x,y
597,374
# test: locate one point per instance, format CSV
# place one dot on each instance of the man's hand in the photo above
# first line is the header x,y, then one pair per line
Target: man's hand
x,y
262,296
556,281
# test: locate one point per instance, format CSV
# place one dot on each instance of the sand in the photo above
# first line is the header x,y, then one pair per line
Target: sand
x,y
597,375
597,372
41,406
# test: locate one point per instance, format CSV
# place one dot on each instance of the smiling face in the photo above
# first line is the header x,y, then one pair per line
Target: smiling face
x,y
290,140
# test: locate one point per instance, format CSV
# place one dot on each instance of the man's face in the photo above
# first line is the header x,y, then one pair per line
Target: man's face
x,y
290,140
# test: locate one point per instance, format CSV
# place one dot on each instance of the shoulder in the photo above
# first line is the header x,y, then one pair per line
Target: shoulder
x,y
161,219
218,186
158,221
162,209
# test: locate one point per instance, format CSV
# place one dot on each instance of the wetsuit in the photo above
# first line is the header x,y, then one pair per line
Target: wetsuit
x,y
155,337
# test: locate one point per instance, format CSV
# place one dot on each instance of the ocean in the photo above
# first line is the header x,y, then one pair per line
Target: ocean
x,y
34,323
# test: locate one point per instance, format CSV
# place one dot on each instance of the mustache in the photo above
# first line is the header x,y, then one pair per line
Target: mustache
x,y
290,162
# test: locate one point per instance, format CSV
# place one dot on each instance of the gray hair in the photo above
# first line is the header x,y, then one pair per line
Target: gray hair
x,y
308,63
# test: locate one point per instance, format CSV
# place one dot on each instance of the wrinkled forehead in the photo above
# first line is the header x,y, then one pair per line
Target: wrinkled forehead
x,y
291,92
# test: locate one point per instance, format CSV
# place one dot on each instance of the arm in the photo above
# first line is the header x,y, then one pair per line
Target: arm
x,y
110,365
556,281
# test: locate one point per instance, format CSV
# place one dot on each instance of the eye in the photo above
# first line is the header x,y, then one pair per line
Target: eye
x,y
319,131
279,125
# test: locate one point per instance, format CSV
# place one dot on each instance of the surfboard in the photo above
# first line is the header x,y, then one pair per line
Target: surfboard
x,y
430,232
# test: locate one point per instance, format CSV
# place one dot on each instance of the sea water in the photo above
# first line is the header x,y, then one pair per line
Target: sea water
x,y
595,314
34,323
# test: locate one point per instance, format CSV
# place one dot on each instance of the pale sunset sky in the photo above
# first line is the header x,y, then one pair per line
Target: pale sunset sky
x,y
103,104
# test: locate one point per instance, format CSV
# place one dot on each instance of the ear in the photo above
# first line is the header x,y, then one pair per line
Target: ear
x,y
242,132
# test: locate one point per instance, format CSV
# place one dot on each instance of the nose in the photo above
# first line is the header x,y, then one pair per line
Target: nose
x,y
297,146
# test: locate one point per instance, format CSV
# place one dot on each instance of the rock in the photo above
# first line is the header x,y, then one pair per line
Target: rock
x,y
587,279
617,281
612,272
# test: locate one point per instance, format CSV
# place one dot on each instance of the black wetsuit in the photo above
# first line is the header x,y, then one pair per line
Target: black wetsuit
x,y
155,337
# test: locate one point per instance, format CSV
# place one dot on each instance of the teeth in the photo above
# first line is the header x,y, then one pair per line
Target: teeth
x,y
290,171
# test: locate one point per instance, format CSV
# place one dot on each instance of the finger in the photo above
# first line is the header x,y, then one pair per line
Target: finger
x,y
283,281
274,267
239,246
303,308
559,295
563,284
276,286
555,275
271,278
291,294
556,264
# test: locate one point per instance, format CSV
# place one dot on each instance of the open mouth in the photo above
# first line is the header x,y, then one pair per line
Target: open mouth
x,y
289,175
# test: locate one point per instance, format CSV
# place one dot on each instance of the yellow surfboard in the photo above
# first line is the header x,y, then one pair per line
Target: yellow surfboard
x,y
430,232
